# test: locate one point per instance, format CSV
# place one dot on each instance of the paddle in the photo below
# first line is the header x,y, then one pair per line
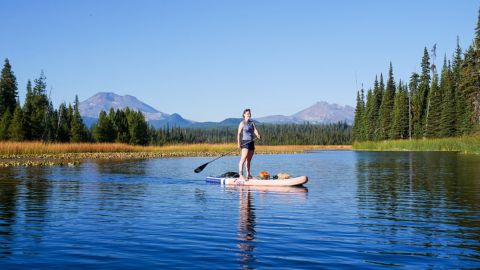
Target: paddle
x,y
200,168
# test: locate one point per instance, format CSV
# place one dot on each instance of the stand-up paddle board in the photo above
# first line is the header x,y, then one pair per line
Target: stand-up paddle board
x,y
295,181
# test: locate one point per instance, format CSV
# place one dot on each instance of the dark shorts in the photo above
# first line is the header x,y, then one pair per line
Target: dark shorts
x,y
249,146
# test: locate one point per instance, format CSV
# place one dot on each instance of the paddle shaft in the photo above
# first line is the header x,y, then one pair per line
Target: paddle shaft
x,y
230,151
200,168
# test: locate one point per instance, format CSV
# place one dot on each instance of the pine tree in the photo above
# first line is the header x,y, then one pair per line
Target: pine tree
x,y
434,110
121,126
70,115
36,109
17,127
420,100
4,125
405,121
467,91
8,89
386,118
78,129
28,112
448,107
474,92
460,102
63,124
51,123
400,114
378,90
138,128
413,94
469,86
372,110
358,128
151,136
111,118
368,123
103,130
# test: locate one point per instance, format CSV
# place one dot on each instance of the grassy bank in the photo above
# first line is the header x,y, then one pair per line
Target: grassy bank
x,y
467,145
39,148
48,154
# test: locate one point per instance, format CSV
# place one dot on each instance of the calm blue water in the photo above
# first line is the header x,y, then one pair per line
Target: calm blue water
x,y
364,210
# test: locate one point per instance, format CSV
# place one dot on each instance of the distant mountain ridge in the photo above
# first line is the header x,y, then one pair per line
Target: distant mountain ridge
x,y
319,113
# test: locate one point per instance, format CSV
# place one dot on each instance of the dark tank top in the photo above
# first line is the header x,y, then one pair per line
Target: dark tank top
x,y
248,129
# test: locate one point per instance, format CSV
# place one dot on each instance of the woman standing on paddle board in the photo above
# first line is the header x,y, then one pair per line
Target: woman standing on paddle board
x,y
247,130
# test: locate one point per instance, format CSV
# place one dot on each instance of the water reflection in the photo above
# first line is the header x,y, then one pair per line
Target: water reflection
x,y
246,233
34,200
418,210
26,191
120,186
8,205
113,167
246,229
430,195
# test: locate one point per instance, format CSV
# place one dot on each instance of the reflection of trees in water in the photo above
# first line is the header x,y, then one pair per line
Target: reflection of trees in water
x,y
118,186
111,192
24,195
8,205
37,194
430,178
423,189
246,229
466,189
112,167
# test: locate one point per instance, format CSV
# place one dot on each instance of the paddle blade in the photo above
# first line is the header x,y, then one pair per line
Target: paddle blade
x,y
200,168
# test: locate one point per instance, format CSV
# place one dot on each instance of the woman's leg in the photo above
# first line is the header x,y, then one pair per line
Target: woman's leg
x,y
249,159
243,157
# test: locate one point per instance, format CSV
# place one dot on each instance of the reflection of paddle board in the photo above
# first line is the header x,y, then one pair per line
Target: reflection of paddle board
x,y
296,181
274,189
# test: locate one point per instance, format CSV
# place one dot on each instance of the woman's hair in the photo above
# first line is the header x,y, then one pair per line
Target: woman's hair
x,y
245,111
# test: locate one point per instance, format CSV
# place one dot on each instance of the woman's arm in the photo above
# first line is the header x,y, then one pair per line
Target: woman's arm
x,y
240,128
255,130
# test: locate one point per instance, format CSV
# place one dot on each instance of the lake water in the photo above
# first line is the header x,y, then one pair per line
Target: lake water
x,y
359,209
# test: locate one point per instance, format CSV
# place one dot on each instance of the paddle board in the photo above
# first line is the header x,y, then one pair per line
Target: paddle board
x,y
295,181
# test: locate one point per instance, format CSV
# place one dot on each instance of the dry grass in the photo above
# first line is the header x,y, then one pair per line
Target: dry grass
x,y
71,154
39,148
32,148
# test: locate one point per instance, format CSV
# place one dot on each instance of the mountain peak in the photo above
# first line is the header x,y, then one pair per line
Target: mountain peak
x,y
320,112
106,100
324,112
105,94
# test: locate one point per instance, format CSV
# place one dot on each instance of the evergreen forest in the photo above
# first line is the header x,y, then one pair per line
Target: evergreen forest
x,y
438,102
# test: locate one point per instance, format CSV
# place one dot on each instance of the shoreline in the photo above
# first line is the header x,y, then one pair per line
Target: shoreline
x,y
29,154
464,145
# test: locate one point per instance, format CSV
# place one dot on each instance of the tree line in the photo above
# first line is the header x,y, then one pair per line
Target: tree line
x,y
124,125
430,105
38,120
272,134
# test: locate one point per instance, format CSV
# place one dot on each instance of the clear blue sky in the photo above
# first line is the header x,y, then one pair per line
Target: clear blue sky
x,y
208,60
